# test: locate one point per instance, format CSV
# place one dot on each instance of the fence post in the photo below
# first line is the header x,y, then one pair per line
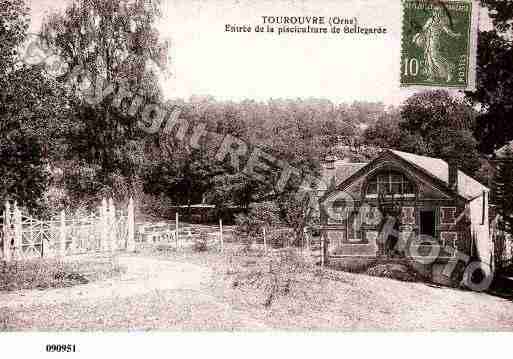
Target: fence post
x,y
130,246
176,229
103,225
322,251
112,226
62,234
18,250
265,239
6,230
221,234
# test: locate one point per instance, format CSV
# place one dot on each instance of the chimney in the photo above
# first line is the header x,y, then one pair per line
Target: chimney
x,y
329,162
453,175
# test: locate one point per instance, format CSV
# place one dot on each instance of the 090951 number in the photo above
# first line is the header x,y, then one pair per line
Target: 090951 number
x,y
61,348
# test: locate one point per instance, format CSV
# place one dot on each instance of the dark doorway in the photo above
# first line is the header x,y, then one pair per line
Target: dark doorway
x,y
391,242
427,223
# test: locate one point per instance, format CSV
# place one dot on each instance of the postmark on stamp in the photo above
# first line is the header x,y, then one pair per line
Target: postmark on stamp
x,y
439,44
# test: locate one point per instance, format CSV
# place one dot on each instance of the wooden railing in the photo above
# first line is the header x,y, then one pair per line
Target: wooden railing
x,y
24,237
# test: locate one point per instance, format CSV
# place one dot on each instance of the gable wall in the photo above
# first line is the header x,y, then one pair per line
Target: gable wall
x,y
432,196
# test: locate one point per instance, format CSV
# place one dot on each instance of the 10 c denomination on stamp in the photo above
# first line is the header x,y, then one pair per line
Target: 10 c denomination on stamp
x,y
439,41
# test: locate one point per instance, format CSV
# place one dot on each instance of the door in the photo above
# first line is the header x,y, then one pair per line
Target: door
x,y
428,223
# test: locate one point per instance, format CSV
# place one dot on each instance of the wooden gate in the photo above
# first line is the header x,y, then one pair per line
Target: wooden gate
x,y
24,237
83,235
38,238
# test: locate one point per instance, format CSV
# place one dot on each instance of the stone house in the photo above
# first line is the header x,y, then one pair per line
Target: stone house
x,y
437,208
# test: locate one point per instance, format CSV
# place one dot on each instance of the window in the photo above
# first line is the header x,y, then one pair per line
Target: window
x,y
448,215
389,182
371,215
336,239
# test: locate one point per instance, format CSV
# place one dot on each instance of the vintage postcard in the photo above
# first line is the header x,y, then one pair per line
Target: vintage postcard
x,y
254,166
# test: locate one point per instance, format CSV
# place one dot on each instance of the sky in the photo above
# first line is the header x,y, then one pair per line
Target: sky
x,y
207,60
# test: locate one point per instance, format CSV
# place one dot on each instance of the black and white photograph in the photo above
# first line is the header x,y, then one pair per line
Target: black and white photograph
x,y
244,166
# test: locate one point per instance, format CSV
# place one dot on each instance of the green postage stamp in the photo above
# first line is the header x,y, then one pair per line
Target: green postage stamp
x,y
439,41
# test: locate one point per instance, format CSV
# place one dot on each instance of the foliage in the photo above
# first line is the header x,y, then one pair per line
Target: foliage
x,y
296,132
501,13
385,132
100,153
428,111
365,112
430,123
14,23
280,238
110,43
260,215
285,275
502,190
297,213
33,116
23,176
52,273
438,125
200,244
396,271
494,94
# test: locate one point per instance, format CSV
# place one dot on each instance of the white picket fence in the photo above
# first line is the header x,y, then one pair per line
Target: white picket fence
x,y
108,230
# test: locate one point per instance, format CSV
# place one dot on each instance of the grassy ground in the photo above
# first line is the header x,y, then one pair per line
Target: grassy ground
x,y
231,291
334,300
55,273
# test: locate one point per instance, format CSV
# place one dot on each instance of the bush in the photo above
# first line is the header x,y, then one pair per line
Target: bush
x,y
260,215
277,276
155,207
200,245
280,238
23,172
394,271
353,265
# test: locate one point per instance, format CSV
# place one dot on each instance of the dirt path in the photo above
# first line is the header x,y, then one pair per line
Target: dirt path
x,y
152,294
165,294
143,275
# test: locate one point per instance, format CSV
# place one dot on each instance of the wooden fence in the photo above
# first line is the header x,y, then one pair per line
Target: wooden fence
x,y
108,230
179,235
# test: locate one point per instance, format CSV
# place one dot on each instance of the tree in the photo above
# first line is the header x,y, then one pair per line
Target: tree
x,y
385,132
14,23
502,189
502,197
439,125
428,111
33,116
111,43
494,80
366,112
297,132
494,92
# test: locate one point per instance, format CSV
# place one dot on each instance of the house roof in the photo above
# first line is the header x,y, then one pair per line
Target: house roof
x,y
502,151
437,168
341,171
468,187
